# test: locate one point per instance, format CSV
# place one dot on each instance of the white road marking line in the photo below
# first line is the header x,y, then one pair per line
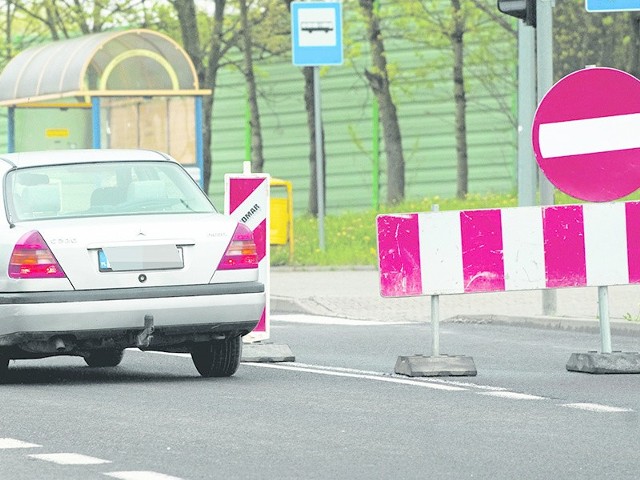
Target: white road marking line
x,y
464,385
141,476
513,395
590,135
322,320
338,369
417,383
469,385
451,384
595,407
434,383
6,443
69,459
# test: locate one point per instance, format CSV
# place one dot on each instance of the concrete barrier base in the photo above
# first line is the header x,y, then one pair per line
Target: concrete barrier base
x,y
437,366
594,362
260,352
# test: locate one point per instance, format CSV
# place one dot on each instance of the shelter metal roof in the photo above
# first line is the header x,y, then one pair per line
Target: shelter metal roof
x,y
122,63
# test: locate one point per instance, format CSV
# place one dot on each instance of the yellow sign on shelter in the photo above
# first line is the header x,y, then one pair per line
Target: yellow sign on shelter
x,y
56,132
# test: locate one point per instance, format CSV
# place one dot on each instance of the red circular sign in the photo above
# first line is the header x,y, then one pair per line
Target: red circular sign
x,y
586,134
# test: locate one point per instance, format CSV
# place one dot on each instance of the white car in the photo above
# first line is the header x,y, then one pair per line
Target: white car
x,y
102,250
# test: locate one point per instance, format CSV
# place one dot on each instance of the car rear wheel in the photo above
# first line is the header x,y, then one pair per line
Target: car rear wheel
x,y
4,367
104,358
218,358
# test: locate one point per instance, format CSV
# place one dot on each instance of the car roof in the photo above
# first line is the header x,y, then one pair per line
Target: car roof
x,y
62,157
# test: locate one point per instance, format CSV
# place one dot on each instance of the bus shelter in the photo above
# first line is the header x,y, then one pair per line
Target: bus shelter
x,y
122,89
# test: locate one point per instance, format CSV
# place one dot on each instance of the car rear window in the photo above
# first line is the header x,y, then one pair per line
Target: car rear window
x,y
102,189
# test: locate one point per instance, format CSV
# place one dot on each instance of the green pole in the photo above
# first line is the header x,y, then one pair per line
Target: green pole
x,y
375,147
247,132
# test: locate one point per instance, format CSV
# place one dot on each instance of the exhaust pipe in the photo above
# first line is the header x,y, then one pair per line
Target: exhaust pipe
x,y
146,336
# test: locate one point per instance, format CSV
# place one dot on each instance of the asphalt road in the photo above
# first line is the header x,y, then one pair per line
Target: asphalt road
x,y
337,412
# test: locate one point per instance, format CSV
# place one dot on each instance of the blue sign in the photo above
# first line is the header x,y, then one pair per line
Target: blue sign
x,y
316,33
612,5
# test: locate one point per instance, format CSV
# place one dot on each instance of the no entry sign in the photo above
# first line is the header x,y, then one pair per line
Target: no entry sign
x,y
586,134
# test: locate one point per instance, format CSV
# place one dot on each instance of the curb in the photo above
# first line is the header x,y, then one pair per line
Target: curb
x,y
583,325
261,352
321,268
310,306
293,305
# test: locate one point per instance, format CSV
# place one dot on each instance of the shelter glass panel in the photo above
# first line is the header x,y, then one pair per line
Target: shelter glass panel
x,y
139,73
52,128
166,124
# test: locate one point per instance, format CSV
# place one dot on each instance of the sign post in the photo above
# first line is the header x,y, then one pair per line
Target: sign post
x,y
247,200
316,40
544,75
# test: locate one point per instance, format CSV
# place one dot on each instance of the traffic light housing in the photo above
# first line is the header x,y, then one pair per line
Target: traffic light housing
x,y
522,9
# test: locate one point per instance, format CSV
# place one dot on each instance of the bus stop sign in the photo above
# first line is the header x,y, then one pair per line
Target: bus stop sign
x,y
316,33
612,5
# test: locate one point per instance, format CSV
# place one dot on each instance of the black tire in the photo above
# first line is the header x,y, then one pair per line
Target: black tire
x,y
4,368
218,358
104,358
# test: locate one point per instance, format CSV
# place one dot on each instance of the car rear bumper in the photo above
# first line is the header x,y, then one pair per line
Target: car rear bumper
x,y
182,312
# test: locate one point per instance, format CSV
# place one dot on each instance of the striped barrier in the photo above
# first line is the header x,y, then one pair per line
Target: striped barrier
x,y
525,248
247,200
522,248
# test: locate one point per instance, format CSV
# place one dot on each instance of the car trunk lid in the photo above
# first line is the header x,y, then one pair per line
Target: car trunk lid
x,y
140,250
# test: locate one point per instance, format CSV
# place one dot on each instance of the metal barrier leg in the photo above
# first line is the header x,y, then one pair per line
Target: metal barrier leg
x,y
435,325
606,361
436,365
605,326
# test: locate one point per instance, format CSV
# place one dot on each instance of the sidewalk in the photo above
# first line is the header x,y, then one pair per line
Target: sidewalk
x,y
354,294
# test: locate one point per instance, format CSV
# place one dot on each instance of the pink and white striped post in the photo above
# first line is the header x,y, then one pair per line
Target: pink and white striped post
x,y
247,200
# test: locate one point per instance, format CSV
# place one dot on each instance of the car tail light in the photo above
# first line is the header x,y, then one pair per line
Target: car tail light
x,y
241,252
32,258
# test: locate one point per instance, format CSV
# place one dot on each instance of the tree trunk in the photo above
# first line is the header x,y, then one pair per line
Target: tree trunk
x,y
50,21
211,79
460,100
8,38
207,115
207,76
379,83
257,158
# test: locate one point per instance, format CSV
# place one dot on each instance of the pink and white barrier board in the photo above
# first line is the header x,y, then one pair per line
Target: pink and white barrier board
x,y
524,248
247,200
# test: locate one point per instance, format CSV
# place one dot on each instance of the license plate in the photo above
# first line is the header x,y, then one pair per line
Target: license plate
x,y
137,258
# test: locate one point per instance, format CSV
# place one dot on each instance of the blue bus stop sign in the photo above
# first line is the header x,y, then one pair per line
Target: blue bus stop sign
x,y
612,5
316,33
